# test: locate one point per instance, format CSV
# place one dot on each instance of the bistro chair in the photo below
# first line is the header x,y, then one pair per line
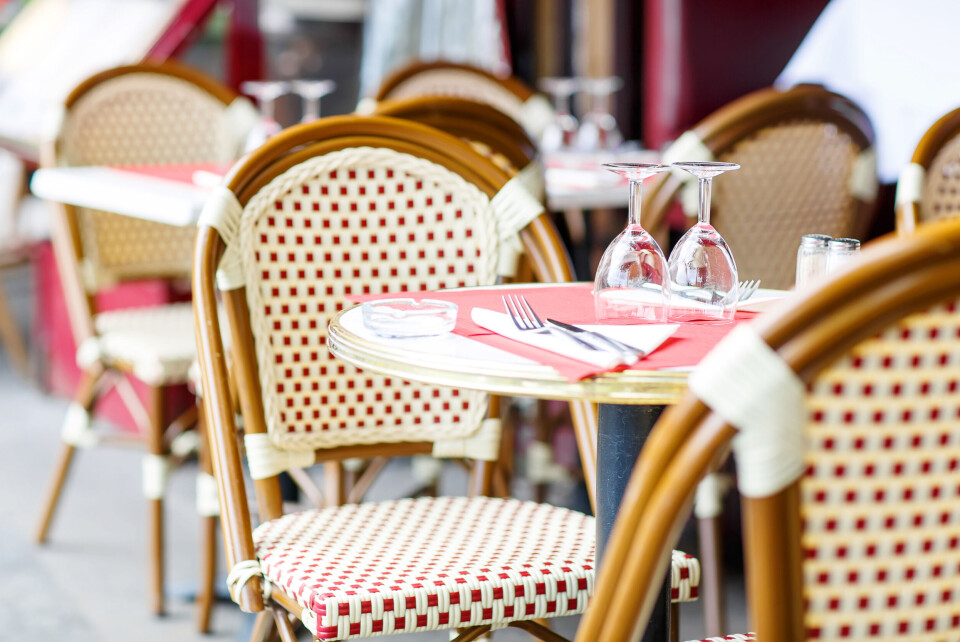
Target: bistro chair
x,y
144,114
807,166
503,141
509,95
342,207
927,188
842,410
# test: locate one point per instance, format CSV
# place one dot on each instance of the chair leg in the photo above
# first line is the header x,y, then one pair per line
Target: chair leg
x,y
538,631
11,338
154,482
208,509
263,626
284,627
711,578
76,431
674,622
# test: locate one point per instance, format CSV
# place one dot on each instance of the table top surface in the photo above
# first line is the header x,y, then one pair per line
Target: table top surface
x,y
573,181
456,361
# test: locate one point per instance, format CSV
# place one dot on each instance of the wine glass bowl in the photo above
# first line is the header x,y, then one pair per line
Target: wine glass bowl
x,y
703,274
598,128
632,280
561,132
310,92
266,92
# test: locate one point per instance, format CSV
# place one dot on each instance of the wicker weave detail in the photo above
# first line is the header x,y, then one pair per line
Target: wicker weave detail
x,y
739,637
140,119
941,192
795,180
881,532
460,83
429,563
357,221
156,342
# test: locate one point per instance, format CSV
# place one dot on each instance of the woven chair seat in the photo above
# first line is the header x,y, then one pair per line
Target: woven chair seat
x,y
739,637
157,342
435,563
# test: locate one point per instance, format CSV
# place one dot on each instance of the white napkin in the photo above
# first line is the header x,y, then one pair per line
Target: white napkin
x,y
646,337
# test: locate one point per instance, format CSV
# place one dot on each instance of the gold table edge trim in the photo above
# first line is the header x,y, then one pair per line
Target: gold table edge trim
x,y
633,387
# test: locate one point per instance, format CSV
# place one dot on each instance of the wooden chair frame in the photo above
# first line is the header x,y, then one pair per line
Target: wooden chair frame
x,y
896,278
909,213
514,85
81,306
547,255
763,108
467,119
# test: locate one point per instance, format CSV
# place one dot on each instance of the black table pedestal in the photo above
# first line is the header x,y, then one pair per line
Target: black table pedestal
x,y
622,431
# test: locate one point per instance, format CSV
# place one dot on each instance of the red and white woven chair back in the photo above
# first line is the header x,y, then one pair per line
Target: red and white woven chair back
x,y
141,118
352,222
795,179
880,528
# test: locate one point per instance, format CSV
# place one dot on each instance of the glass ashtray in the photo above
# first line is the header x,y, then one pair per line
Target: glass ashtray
x,y
409,318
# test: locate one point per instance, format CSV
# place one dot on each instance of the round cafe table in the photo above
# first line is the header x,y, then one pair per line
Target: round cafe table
x,y
629,402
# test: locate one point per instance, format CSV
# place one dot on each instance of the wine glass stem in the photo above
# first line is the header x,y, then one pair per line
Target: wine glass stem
x,y
704,211
311,109
636,198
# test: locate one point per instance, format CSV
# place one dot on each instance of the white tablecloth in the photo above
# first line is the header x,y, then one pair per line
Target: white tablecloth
x,y
896,59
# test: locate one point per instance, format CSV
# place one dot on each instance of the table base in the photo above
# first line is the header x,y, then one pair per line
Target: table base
x,y
622,431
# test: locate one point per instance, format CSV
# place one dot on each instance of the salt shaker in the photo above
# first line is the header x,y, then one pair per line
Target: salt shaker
x,y
812,258
841,252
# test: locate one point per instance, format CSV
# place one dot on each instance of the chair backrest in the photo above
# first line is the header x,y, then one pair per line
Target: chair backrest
x,y
345,206
928,186
807,166
851,532
440,78
491,132
145,114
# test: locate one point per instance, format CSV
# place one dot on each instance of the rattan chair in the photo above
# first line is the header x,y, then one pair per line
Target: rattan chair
x,y
807,166
140,114
509,95
503,141
353,205
847,421
927,188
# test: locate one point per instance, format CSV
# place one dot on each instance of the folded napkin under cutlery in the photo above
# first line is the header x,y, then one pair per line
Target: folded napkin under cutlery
x,y
646,337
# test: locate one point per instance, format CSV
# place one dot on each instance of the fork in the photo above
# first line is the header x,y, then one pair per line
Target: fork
x,y
748,289
526,320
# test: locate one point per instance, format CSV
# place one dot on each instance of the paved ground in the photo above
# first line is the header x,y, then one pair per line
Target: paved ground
x,y
88,583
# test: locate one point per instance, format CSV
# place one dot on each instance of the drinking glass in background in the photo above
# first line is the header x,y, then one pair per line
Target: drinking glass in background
x,y
598,128
812,258
632,281
266,93
310,92
840,252
561,133
703,274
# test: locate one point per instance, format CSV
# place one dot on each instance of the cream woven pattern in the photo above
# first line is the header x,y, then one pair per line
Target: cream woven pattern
x,y
941,191
141,119
157,342
739,637
881,530
353,222
794,180
460,83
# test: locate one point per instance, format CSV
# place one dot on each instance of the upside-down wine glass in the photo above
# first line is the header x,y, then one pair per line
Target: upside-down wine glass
x,y
598,128
703,274
266,92
632,280
561,132
311,91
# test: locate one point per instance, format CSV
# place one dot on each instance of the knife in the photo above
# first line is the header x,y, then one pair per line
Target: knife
x,y
620,346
